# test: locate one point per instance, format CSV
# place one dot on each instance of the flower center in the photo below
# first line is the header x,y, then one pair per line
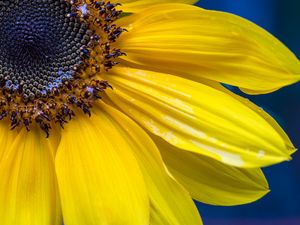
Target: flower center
x,y
40,45
51,52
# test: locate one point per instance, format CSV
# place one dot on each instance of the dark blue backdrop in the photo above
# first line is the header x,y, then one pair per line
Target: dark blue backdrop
x,y
282,205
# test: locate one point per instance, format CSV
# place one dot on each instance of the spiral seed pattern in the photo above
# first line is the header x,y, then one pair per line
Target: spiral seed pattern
x,y
52,53
40,45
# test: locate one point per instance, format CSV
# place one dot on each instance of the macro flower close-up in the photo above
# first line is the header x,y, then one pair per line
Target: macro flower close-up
x,y
116,112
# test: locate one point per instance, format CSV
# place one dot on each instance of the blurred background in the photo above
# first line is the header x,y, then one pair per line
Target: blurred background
x,y
282,205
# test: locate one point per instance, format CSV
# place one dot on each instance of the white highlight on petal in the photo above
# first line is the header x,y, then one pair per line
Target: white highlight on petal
x,y
152,127
226,157
184,127
170,137
261,154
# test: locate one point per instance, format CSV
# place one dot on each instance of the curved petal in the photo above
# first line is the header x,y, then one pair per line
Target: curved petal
x,y
139,5
170,203
260,112
194,43
199,118
213,182
99,179
28,185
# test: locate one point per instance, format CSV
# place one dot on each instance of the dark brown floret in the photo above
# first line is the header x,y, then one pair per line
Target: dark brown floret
x,y
50,56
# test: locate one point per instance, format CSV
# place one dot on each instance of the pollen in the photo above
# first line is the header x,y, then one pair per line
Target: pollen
x,y
51,53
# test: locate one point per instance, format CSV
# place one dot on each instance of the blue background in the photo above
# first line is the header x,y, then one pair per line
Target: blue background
x,y
282,205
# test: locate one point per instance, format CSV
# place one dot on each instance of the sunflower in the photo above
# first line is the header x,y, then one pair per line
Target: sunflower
x,y
114,112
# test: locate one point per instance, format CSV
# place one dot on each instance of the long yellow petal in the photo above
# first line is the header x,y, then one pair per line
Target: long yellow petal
x,y
213,182
194,43
139,5
199,118
7,137
28,185
99,179
170,203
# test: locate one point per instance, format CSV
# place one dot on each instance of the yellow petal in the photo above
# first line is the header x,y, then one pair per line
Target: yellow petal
x,y
28,186
261,113
170,203
213,182
7,137
194,43
139,5
199,118
99,179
